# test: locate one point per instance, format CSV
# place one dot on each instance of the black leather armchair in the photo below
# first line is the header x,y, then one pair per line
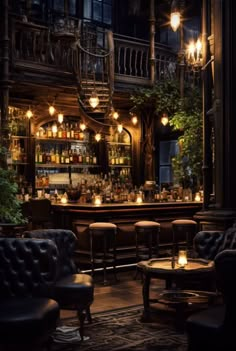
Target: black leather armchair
x,y
72,290
208,244
27,273
214,329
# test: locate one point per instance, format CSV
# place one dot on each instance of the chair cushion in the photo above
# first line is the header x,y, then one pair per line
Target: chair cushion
x,y
27,320
147,224
183,222
102,225
74,290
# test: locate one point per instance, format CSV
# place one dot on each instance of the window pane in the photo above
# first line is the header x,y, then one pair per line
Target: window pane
x,y
59,5
87,9
107,14
97,11
72,7
165,175
168,149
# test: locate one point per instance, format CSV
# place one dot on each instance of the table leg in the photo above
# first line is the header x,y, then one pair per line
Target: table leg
x,y
146,300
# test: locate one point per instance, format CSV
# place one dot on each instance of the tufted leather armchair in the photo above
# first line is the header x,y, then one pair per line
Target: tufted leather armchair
x,y
208,244
27,274
72,290
214,329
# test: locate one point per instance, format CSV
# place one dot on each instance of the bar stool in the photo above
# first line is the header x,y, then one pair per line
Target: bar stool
x,y
103,247
147,239
184,229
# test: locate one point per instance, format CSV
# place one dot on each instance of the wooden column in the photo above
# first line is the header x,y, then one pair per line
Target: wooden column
x,y
4,72
152,21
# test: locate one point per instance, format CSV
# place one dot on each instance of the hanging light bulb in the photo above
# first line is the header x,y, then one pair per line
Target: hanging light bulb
x,y
98,137
60,117
120,128
115,114
82,126
94,100
164,119
51,110
134,120
29,113
175,15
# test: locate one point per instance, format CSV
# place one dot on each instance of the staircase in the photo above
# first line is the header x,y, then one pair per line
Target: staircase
x,y
95,70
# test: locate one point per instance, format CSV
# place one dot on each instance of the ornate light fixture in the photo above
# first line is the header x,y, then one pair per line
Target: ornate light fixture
x,y
164,119
134,120
175,16
98,137
82,126
194,53
94,100
29,113
60,117
120,128
51,110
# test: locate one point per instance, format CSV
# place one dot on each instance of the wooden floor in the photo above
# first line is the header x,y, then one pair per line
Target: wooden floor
x,y
127,291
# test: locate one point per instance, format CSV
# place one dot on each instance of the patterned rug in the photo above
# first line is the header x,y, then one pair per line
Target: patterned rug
x,y
123,330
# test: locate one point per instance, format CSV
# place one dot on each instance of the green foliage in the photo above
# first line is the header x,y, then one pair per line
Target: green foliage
x,y
10,206
185,117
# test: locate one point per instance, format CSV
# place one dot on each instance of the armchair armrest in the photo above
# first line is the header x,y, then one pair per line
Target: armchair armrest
x,y
207,243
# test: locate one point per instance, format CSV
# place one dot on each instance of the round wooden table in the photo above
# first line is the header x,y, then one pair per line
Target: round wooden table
x,y
161,268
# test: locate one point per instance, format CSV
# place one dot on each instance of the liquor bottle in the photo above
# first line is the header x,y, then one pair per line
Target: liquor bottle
x,y
67,131
63,157
76,131
53,156
67,157
63,131
80,157
94,162
72,131
71,156
60,132
57,157
75,156
49,131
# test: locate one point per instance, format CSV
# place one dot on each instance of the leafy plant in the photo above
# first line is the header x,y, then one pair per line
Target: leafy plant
x,y
10,206
185,117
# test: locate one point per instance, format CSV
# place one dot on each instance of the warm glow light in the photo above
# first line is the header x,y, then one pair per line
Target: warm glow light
x,y
119,128
29,113
134,120
98,137
54,129
182,258
51,110
60,117
97,200
194,52
64,199
164,119
175,20
115,115
197,197
139,199
82,126
94,100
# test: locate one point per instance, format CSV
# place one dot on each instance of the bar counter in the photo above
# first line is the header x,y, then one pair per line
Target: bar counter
x,y
77,217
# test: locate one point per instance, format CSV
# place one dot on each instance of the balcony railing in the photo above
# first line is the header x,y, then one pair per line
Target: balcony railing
x,y
35,46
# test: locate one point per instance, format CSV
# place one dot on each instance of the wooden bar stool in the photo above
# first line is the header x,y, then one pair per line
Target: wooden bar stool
x,y
147,239
184,231
103,247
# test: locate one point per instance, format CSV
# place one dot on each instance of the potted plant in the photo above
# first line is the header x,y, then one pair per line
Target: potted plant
x,y
10,205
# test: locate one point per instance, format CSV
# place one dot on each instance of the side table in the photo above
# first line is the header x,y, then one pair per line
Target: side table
x,y
161,268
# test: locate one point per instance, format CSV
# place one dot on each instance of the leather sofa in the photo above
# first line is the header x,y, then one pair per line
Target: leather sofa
x,y
28,316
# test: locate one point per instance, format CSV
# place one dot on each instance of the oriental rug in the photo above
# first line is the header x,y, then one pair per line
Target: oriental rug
x,y
122,329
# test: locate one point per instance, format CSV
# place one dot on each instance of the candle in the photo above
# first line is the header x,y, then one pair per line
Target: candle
x,y
97,200
182,258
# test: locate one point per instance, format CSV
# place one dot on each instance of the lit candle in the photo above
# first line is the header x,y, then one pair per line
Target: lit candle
x,y
97,200
182,258
139,199
197,197
64,199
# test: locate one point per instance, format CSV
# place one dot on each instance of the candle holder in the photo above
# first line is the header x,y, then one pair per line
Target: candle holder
x,y
182,258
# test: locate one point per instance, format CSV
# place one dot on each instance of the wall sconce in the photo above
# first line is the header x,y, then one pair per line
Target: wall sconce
x,y
82,126
120,128
60,117
98,137
164,119
94,100
51,110
29,113
194,53
182,258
